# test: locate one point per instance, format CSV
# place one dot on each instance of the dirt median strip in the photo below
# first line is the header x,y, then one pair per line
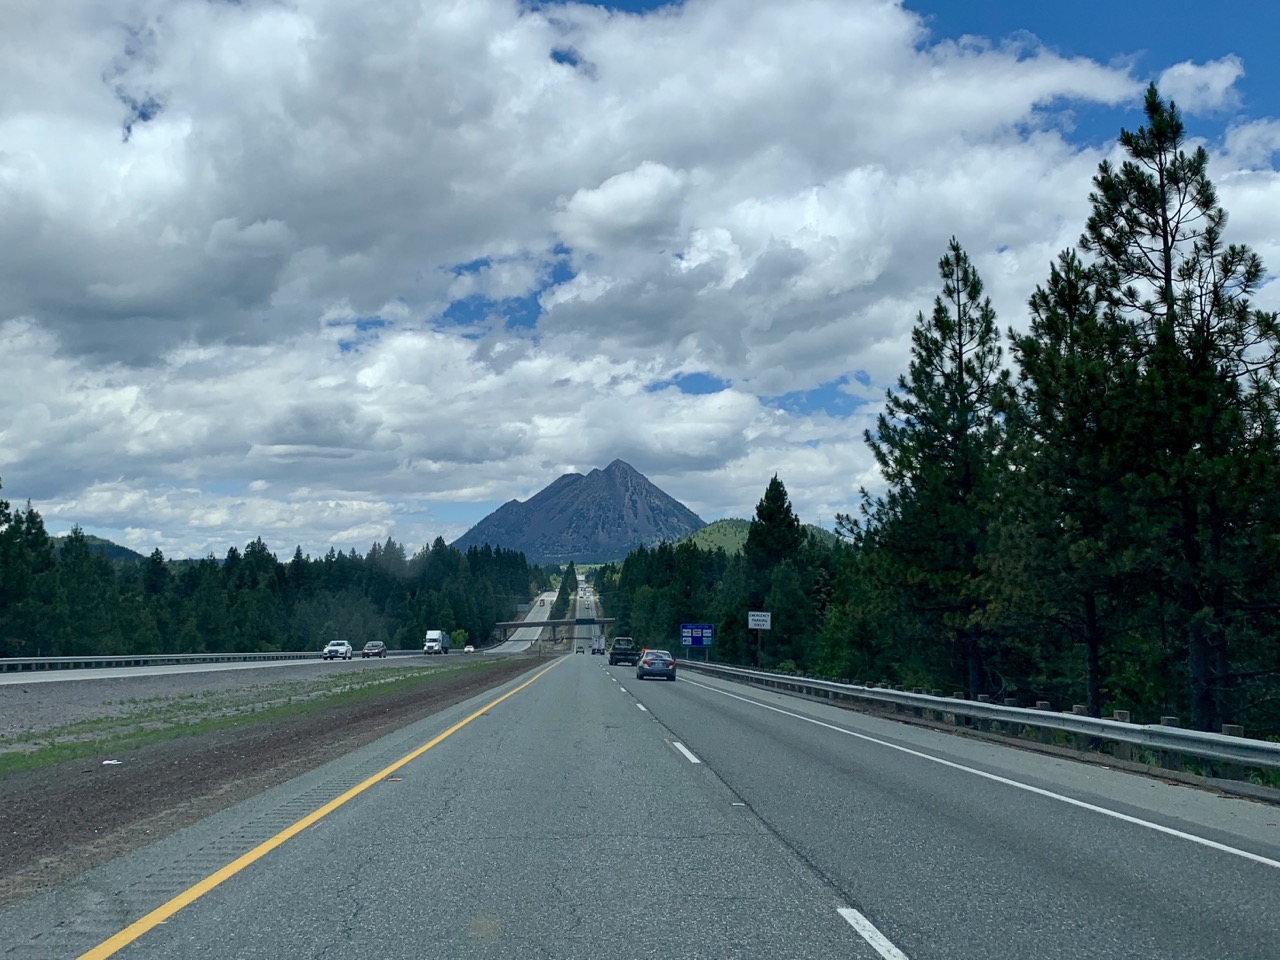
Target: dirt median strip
x,y
62,819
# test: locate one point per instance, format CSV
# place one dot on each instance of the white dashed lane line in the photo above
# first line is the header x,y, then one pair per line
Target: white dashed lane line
x,y
688,754
867,930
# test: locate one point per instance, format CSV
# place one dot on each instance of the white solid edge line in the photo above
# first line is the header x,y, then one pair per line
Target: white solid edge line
x,y
867,930
688,754
1038,791
643,707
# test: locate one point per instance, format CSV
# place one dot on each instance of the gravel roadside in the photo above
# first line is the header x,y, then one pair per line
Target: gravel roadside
x,y
58,821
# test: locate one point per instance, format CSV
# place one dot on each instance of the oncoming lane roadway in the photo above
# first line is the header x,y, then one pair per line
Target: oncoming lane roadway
x,y
522,638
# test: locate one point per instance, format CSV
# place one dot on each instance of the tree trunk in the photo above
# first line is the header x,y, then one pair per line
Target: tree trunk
x,y
1203,713
973,661
1093,656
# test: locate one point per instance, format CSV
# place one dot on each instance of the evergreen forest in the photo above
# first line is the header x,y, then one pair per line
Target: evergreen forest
x,y
74,601
1081,509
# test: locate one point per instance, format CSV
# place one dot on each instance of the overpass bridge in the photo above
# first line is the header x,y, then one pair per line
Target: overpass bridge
x,y
506,625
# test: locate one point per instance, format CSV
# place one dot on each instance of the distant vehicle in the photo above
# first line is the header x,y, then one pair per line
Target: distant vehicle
x,y
656,663
597,647
436,641
374,648
337,650
580,650
623,651
542,602
468,649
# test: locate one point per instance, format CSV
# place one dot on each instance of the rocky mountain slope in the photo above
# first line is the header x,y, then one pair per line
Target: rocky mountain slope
x,y
595,518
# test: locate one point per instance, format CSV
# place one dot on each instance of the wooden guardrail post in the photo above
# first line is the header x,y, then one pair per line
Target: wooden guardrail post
x,y
1078,740
1231,771
983,725
1122,750
1012,729
1168,758
1043,734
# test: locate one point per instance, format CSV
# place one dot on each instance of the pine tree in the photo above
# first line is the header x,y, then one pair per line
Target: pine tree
x,y
1074,554
937,445
1204,423
775,533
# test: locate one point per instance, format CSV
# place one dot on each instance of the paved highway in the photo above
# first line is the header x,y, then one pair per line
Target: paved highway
x,y
522,638
591,815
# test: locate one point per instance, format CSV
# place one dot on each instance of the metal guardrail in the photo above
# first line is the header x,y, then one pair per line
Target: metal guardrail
x,y
1163,739
15,664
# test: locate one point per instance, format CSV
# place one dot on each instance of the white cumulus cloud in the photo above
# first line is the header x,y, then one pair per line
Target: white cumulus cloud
x,y
327,273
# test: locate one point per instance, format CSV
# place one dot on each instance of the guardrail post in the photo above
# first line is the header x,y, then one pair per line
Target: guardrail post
x,y
1012,729
983,725
1168,758
1122,750
1079,741
1043,734
1231,771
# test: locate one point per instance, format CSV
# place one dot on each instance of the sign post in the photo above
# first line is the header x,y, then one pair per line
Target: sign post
x,y
758,620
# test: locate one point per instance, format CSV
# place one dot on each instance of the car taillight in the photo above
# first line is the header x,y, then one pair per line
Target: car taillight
x,y
671,663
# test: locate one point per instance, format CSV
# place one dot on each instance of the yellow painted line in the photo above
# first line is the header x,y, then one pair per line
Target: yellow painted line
x,y
112,945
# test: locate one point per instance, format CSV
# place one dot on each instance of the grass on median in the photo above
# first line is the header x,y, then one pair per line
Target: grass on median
x,y
159,719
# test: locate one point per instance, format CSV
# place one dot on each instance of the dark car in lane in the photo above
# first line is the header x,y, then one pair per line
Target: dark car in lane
x,y
656,663
374,648
623,651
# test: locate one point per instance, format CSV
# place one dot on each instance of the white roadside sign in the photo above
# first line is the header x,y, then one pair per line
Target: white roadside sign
x,y
759,620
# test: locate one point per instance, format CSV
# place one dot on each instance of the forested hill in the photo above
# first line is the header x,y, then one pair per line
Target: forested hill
x,y
112,551
75,601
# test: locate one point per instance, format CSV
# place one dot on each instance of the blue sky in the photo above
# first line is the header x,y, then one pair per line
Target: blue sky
x,y
1151,35
1148,36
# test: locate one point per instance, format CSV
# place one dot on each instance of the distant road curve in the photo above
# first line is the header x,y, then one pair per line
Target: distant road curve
x,y
524,637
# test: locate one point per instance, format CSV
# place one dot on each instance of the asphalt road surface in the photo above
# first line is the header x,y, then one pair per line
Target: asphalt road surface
x,y
588,814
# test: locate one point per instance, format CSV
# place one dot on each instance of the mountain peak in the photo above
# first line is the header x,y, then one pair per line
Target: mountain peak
x,y
595,518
